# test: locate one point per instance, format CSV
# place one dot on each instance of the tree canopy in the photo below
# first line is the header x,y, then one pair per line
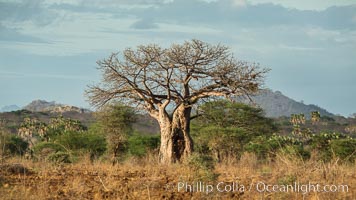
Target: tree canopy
x,y
153,76
155,79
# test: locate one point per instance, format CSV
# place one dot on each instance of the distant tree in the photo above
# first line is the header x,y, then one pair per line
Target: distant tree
x,y
115,122
60,125
84,142
226,127
297,120
167,82
223,113
10,144
30,128
315,117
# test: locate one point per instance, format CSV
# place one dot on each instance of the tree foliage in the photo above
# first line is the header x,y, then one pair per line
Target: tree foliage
x,y
224,128
12,145
115,122
84,142
140,145
223,113
31,128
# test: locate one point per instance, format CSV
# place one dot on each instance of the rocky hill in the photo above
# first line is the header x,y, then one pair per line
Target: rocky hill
x,y
53,107
44,111
13,119
275,104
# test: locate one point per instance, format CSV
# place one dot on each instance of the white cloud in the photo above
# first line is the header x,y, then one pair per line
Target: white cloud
x,y
347,37
76,33
239,3
322,34
82,32
71,2
109,3
306,4
299,48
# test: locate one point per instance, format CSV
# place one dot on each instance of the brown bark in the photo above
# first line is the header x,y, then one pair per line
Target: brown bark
x,y
176,143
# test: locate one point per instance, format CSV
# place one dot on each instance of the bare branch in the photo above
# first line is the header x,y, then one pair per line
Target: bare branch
x,y
158,78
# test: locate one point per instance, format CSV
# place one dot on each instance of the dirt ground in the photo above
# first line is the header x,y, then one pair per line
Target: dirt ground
x,y
22,179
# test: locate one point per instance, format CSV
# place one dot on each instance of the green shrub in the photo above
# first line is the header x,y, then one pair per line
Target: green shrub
x,y
222,142
261,150
115,122
225,128
83,142
321,143
71,144
223,113
322,140
48,145
138,145
266,147
13,145
296,151
60,125
44,149
344,149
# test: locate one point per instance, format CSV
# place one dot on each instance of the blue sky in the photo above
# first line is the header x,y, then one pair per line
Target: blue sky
x,y
49,48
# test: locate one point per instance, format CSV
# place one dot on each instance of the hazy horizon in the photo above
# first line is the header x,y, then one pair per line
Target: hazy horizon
x,y
49,48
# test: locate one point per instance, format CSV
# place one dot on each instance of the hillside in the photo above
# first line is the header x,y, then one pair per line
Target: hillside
x,y
44,111
15,118
275,104
53,107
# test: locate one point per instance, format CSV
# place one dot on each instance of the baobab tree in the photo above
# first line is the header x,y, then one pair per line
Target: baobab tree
x,y
167,82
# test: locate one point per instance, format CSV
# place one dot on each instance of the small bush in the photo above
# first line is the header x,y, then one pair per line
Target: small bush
x,y
203,166
265,147
48,145
223,142
44,149
13,145
83,142
344,149
322,143
138,145
296,151
59,157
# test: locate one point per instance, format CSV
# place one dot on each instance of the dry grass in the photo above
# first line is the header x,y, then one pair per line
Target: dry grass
x,y
146,179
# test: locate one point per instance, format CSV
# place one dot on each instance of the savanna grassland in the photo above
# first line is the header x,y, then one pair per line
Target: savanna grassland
x,y
146,179
239,154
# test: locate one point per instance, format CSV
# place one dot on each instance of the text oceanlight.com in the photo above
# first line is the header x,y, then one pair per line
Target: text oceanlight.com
x,y
259,187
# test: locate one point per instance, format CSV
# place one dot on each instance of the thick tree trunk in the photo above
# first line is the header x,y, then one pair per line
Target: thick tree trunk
x,y
176,143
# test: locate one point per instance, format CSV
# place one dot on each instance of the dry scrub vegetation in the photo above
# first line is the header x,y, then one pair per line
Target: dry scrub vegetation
x,y
146,179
